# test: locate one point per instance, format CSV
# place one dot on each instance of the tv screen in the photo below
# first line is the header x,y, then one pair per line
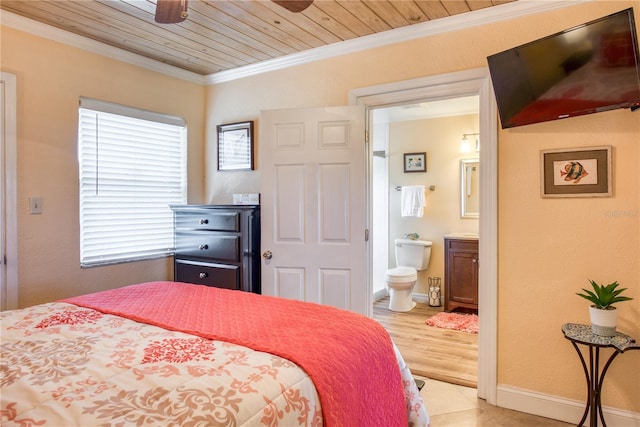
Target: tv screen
x,y
586,69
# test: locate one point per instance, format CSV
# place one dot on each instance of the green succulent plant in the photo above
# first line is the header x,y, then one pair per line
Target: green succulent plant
x,y
604,296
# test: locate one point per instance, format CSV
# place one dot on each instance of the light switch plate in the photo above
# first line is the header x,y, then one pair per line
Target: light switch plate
x,y
35,205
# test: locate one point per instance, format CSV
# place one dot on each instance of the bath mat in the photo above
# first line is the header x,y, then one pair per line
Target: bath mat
x,y
459,322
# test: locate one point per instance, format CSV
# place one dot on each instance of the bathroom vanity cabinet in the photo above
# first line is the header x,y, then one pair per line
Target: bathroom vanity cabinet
x,y
460,273
218,245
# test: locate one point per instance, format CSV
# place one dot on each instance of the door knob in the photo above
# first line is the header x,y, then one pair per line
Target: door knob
x,y
267,255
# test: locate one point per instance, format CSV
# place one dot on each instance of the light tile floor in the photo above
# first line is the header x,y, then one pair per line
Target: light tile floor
x,y
451,405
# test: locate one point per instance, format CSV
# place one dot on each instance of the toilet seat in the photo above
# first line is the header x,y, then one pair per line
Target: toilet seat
x,y
401,275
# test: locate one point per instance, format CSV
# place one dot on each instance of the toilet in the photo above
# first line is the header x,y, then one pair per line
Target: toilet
x,y
411,256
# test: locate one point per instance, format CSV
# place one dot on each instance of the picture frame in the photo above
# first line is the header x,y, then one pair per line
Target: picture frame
x,y
235,146
415,162
576,172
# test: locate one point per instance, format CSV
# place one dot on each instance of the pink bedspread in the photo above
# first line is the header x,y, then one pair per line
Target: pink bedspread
x,y
349,357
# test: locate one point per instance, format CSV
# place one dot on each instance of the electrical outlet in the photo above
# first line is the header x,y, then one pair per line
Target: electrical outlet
x,y
35,205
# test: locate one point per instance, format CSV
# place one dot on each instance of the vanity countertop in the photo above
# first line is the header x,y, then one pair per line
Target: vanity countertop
x,y
465,236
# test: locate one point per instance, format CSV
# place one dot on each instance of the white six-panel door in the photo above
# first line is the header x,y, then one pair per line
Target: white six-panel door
x,y
312,164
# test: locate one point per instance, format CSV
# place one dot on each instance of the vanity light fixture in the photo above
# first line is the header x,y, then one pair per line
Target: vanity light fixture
x,y
465,144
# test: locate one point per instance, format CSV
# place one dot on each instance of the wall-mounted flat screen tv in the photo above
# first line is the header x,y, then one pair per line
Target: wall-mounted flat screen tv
x,y
586,69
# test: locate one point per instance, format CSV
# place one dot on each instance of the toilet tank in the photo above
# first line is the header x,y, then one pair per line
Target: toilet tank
x,y
413,253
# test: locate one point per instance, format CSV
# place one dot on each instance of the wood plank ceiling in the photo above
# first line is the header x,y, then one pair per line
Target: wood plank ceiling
x,y
221,35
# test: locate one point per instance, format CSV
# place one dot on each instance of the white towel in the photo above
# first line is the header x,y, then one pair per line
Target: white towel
x,y
412,203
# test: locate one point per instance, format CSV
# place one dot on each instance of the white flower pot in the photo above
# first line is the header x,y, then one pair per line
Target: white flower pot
x,y
603,322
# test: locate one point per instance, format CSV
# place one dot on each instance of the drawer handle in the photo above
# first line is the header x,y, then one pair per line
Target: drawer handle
x,y
203,275
204,247
204,221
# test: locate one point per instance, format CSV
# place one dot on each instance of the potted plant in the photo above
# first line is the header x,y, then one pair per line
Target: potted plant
x,y
602,313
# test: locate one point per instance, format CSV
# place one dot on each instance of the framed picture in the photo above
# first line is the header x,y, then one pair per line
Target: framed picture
x,y
415,162
235,146
580,172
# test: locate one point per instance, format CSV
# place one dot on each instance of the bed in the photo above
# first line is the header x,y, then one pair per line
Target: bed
x,y
169,353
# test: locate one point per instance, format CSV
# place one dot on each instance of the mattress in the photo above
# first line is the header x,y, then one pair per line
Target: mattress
x,y
85,361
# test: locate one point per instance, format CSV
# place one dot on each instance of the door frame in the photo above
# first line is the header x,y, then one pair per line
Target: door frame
x,y
8,192
445,86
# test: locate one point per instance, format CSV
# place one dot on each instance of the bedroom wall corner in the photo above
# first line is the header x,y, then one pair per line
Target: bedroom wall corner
x,y
50,79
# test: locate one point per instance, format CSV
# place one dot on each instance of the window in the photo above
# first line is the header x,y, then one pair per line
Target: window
x,y
132,167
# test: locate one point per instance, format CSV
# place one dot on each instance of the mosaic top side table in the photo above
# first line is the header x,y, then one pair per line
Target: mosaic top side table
x,y
581,334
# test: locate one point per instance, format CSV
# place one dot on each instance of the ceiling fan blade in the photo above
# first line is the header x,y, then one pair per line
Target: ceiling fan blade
x,y
171,11
294,5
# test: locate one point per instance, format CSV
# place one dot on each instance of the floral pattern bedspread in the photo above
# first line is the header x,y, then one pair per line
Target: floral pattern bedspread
x,y
64,365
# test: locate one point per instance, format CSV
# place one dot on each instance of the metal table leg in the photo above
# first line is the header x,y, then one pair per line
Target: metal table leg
x,y
595,380
599,389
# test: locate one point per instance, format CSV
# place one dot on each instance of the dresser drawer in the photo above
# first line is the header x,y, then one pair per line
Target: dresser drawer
x,y
217,275
209,221
462,245
218,245
208,245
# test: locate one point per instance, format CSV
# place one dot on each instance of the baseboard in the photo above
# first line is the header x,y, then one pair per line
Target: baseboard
x,y
421,298
559,408
381,293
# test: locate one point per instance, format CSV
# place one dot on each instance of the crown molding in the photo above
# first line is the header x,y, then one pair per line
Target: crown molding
x,y
476,18
39,29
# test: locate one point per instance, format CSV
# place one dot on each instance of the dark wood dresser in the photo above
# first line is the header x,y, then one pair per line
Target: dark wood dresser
x,y
460,274
218,245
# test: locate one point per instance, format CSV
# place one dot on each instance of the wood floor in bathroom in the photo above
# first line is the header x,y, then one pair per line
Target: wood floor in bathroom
x,y
439,354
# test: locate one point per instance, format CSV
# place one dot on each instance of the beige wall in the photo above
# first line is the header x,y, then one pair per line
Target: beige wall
x,y
50,79
547,248
440,139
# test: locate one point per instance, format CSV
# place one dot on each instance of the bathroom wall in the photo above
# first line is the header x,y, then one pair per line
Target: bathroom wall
x,y
440,139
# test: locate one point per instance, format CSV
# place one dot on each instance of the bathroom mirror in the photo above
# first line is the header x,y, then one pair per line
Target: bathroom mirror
x,y
470,188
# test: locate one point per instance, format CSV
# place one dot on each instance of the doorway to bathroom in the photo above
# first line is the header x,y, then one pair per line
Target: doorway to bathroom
x,y
435,130
445,134
439,87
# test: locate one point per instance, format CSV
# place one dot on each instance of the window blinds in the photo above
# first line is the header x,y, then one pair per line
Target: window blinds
x,y
132,167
